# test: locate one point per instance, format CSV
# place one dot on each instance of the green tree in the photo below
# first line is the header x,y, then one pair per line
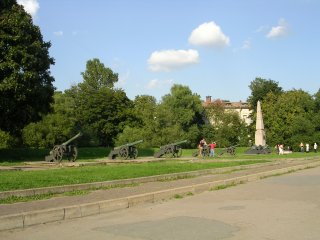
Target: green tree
x,y
6,140
288,118
144,109
317,101
26,88
97,76
55,127
101,111
177,117
144,125
180,116
260,88
227,127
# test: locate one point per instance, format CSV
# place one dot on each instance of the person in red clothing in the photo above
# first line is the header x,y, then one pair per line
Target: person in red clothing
x,y
212,147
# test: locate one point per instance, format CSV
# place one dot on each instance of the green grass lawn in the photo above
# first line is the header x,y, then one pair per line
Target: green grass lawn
x,y
9,157
12,180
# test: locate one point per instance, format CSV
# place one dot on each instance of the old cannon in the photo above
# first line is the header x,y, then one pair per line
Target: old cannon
x,y
126,151
258,150
170,150
231,150
205,151
65,149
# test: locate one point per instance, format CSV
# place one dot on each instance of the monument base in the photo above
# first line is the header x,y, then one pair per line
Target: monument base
x,y
258,150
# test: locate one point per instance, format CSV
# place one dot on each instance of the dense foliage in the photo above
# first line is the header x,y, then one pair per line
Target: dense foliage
x,y
177,117
226,128
26,88
260,88
291,118
55,127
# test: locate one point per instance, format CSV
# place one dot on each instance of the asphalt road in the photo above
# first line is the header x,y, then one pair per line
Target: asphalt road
x,y
282,207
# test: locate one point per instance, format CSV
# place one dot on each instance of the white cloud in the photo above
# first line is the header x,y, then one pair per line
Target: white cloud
x,y
155,83
58,33
30,6
169,60
246,44
210,35
279,31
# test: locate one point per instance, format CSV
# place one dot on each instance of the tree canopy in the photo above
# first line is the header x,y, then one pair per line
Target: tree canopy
x,y
101,111
177,117
260,88
26,89
290,118
226,126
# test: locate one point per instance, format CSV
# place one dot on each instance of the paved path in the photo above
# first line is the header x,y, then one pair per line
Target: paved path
x,y
277,208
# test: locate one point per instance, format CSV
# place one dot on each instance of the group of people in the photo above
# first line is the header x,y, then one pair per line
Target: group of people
x,y
203,143
315,147
303,148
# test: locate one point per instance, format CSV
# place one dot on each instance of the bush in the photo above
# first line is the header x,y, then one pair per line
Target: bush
x,y
6,140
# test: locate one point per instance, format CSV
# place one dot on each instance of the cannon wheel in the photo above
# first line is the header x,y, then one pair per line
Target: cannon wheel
x,y
231,150
73,155
169,153
124,153
205,152
178,152
57,153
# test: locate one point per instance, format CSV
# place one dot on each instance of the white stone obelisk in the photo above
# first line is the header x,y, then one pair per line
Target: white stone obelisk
x,y
260,136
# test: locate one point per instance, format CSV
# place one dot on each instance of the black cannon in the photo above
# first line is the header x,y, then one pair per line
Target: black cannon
x,y
258,150
231,150
126,151
65,149
170,150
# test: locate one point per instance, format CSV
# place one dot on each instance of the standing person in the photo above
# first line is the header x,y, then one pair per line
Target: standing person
x,y
281,149
315,147
301,147
307,147
201,145
212,147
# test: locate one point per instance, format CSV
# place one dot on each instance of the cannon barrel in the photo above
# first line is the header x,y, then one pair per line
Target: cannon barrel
x,y
174,144
72,139
233,146
129,144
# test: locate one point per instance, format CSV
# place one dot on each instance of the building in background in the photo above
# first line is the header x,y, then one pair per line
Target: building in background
x,y
242,108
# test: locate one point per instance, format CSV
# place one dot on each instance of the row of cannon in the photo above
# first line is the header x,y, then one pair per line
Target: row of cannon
x,y
125,151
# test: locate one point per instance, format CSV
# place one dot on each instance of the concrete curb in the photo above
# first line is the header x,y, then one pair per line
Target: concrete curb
x,y
58,214
96,185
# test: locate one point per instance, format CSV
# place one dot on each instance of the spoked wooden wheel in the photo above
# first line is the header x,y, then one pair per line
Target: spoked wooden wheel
x,y
124,153
178,152
169,153
57,153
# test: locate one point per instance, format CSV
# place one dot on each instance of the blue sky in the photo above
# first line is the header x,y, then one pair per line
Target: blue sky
x,y
215,47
